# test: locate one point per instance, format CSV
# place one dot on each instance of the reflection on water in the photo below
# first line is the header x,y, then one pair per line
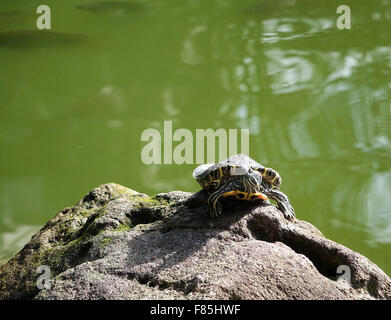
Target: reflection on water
x,y
378,208
16,239
316,101
25,39
112,8
25,195
279,29
189,53
7,17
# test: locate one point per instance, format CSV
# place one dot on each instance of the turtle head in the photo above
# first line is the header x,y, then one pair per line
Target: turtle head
x,y
273,177
254,179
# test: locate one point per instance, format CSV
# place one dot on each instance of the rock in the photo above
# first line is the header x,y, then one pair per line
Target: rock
x,y
117,243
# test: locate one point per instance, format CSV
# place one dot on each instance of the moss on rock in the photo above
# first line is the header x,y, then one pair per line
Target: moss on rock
x,y
65,237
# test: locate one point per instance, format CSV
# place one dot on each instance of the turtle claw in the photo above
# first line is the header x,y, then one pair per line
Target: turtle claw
x,y
282,203
289,213
215,214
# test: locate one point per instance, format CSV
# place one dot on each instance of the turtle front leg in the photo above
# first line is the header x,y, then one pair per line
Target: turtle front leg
x,y
214,203
214,199
282,203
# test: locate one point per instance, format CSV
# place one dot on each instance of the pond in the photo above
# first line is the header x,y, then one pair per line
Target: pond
x,y
75,100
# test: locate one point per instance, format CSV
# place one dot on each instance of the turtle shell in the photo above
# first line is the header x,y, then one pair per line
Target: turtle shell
x,y
208,175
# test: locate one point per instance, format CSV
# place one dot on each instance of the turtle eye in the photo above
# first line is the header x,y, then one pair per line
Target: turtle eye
x,y
277,182
270,173
253,197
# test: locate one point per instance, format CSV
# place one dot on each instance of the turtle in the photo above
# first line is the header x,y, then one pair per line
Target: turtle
x,y
243,178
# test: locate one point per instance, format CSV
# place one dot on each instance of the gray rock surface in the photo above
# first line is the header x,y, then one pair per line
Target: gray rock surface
x,y
119,244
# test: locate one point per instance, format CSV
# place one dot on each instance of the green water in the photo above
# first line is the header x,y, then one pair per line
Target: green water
x,y
316,100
